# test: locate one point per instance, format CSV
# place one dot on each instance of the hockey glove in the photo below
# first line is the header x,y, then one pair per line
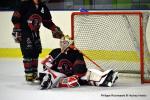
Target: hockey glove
x,y
56,32
17,35
68,82
47,62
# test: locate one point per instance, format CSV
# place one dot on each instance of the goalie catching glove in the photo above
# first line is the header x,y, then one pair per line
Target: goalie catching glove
x,y
56,32
17,35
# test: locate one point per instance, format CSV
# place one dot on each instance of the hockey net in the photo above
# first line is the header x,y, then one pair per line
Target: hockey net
x,y
113,40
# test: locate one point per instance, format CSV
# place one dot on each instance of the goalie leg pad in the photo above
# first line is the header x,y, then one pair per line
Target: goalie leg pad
x,y
115,77
109,79
93,74
97,78
50,79
47,81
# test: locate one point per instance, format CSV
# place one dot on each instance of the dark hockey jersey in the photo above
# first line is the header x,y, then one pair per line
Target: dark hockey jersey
x,y
28,17
69,63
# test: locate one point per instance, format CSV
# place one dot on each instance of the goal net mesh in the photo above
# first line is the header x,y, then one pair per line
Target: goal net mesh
x,y
112,40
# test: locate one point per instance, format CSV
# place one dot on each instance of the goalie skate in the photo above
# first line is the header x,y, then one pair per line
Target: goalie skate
x,y
46,83
109,79
50,78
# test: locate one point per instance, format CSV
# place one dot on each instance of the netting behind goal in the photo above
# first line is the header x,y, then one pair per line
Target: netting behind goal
x,y
113,40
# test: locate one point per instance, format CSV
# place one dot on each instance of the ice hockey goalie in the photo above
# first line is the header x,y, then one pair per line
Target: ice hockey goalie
x,y
65,67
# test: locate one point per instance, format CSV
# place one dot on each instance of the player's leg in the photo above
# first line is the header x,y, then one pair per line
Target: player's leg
x,y
28,69
34,67
36,50
29,60
35,57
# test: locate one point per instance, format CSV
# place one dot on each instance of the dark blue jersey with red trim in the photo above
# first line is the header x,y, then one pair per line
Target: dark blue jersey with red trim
x,y
69,63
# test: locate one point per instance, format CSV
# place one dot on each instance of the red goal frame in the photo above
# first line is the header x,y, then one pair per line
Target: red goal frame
x,y
143,80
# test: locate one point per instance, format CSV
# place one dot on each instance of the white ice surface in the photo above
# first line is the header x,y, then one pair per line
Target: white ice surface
x,y
13,87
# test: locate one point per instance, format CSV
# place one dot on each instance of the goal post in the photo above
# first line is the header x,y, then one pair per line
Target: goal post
x,y
115,40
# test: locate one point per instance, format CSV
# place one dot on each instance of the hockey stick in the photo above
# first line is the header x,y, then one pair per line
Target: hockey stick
x,y
90,60
53,60
69,44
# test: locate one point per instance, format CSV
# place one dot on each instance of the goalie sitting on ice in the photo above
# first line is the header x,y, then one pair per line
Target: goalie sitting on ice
x,y
65,67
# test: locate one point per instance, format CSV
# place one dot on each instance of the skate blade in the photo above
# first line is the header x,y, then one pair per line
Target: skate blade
x,y
43,88
115,77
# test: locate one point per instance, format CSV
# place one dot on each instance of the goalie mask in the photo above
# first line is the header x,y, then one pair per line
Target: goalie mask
x,y
65,42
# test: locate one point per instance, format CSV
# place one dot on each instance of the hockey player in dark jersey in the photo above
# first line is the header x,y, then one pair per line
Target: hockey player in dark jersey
x,y
27,19
65,67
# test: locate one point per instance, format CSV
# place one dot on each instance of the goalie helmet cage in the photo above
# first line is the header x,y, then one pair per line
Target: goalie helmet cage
x,y
113,40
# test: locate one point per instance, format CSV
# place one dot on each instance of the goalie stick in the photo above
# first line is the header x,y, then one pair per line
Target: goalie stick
x,y
47,67
73,46
83,55
70,43
90,60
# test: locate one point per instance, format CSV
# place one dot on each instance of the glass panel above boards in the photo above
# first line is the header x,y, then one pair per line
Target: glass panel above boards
x,y
87,4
